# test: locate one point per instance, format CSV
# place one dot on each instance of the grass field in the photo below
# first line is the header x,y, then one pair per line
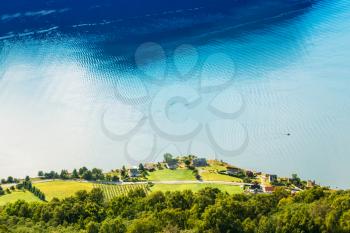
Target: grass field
x,y
110,190
196,187
62,189
18,195
210,176
215,165
167,174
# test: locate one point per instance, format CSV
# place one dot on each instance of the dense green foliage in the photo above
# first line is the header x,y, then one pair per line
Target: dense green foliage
x,y
209,210
83,173
27,184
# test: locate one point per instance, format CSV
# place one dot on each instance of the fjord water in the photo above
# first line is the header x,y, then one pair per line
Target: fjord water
x,y
58,82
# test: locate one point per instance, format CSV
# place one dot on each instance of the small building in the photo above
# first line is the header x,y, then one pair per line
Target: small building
x,y
268,189
310,183
272,178
199,162
255,188
269,178
172,164
286,180
149,167
233,171
133,172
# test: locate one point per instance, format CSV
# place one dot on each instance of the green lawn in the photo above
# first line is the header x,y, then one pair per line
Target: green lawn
x,y
211,175
167,174
215,165
196,187
62,189
18,195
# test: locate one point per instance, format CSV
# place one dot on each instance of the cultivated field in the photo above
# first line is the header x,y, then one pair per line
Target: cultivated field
x,y
110,190
62,189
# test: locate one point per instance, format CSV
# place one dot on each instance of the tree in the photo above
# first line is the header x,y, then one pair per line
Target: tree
x,y
92,227
87,175
19,186
97,174
123,172
96,195
141,167
82,170
27,178
295,180
112,226
159,166
40,173
10,179
168,157
64,174
115,178
75,174
187,162
144,225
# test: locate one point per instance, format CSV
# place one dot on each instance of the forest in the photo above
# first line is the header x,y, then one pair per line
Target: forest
x,y
209,210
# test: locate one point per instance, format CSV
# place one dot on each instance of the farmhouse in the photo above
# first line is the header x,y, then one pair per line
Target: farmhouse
x,y
269,178
199,162
149,167
133,172
255,188
272,178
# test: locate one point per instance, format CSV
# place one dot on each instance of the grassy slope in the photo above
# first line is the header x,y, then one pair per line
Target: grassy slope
x,y
210,176
195,187
62,189
166,174
210,173
18,195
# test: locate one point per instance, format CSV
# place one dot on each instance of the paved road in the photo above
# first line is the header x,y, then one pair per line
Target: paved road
x,y
146,182
182,182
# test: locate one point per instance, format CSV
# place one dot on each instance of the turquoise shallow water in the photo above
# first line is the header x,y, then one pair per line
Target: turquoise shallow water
x,y
272,95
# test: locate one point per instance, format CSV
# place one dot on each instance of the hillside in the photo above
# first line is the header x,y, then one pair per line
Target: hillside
x,y
172,174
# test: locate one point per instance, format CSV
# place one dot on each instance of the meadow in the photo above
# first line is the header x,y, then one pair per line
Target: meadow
x,y
61,189
171,175
18,195
213,176
231,189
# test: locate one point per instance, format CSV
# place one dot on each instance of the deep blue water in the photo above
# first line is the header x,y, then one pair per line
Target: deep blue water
x,y
262,84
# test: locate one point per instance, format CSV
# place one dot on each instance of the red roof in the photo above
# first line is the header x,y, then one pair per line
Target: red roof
x,y
269,189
